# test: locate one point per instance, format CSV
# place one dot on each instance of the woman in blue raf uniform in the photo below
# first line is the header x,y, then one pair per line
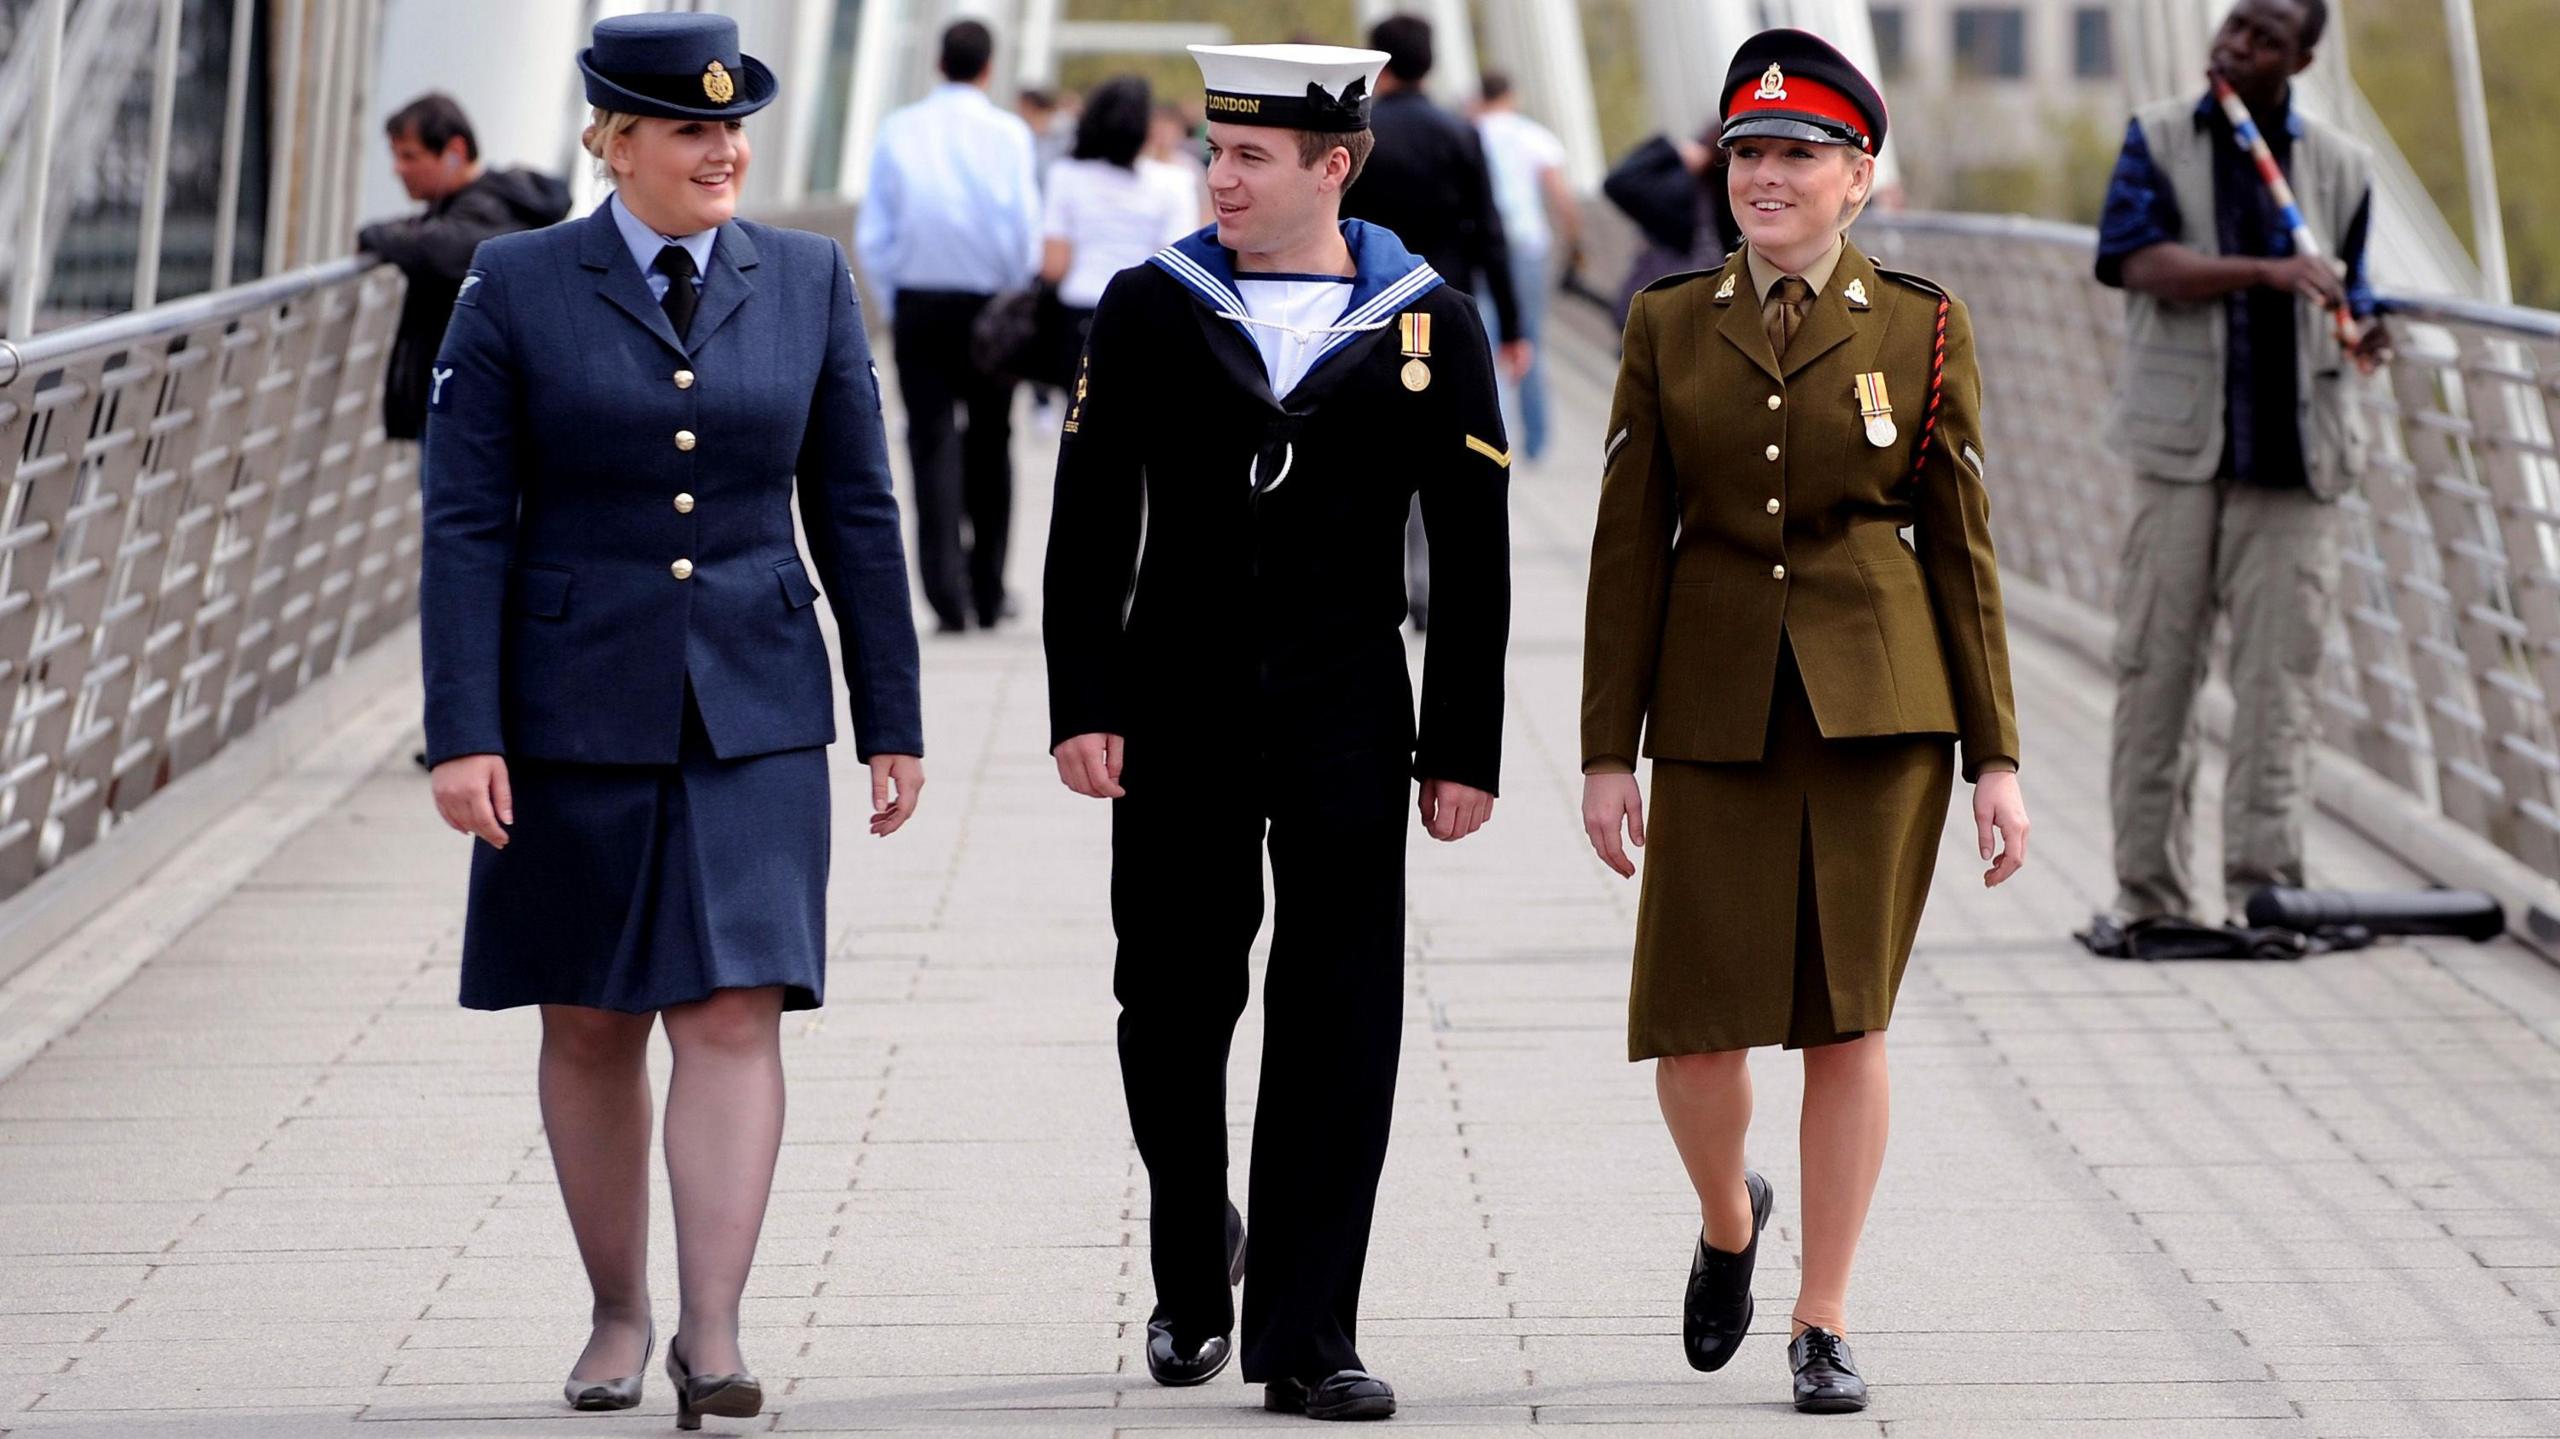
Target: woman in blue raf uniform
x,y
627,692
1798,671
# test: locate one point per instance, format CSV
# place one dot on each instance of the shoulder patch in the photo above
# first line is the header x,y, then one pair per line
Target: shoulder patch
x,y
469,294
1922,283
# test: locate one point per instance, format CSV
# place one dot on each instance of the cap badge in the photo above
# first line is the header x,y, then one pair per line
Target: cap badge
x,y
1773,85
1857,293
717,85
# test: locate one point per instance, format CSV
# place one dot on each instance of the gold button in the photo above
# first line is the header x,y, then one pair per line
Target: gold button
x,y
684,441
1773,402
681,569
1773,507
1771,452
684,379
684,504
1777,572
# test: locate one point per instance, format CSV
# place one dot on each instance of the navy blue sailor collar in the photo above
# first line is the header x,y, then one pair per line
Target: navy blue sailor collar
x,y
1386,277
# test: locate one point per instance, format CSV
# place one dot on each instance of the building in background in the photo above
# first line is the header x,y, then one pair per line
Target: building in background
x,y
2003,105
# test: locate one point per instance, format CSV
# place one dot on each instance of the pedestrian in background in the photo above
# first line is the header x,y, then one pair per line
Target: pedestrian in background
x,y
2237,408
437,157
1674,191
627,692
1101,214
1799,674
1540,217
1172,160
951,220
1427,182
1052,118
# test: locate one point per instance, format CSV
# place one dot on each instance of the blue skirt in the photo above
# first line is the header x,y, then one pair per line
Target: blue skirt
x,y
636,887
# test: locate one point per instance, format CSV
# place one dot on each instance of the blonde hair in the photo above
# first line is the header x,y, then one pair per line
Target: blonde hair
x,y
1850,212
600,133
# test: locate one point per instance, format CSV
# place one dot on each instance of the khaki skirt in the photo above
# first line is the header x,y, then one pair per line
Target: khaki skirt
x,y
1781,895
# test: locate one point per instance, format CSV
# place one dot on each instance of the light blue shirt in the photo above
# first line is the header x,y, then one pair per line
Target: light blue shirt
x,y
645,244
953,203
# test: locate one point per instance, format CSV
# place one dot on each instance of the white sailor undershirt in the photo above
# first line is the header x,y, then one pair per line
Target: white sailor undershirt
x,y
1293,320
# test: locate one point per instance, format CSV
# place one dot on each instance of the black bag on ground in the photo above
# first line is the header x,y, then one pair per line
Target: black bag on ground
x,y
2466,913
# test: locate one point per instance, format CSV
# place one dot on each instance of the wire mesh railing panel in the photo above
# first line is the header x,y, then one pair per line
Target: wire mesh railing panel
x,y
2444,657
199,515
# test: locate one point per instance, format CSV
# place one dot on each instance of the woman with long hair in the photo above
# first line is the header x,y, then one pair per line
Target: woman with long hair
x,y
1103,212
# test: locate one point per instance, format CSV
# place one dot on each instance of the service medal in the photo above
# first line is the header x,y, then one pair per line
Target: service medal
x,y
1876,408
1414,328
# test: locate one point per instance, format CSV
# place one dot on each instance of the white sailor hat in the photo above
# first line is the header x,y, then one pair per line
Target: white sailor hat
x,y
1324,88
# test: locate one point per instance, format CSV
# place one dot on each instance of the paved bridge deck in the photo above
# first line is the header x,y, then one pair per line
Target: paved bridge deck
x,y
276,1184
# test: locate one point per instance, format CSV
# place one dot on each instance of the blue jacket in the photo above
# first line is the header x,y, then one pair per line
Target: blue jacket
x,y
579,459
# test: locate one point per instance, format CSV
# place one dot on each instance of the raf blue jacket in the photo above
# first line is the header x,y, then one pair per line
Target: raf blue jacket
x,y
608,509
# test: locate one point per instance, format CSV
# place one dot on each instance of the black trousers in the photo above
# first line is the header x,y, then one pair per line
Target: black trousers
x,y
963,466
1186,900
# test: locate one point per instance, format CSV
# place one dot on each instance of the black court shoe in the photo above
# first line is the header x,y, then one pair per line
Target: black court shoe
x,y
1827,1379
1166,1363
591,1395
731,1396
1718,1309
1346,1394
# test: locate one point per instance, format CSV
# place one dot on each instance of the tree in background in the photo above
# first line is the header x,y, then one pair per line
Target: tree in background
x,y
2398,51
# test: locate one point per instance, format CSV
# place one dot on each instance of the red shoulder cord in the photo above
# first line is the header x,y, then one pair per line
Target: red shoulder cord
x,y
1937,385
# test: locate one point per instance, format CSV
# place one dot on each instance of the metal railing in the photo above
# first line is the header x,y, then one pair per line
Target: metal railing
x,y
2445,656
199,515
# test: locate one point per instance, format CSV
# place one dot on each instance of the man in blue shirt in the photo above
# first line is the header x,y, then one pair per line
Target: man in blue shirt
x,y
952,218
2238,407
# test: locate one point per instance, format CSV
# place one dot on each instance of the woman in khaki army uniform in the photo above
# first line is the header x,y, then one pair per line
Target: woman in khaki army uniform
x,y
1796,670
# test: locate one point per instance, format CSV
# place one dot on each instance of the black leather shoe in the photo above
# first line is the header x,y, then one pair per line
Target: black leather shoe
x,y
1347,1394
1169,1366
1827,1379
1166,1362
1718,1308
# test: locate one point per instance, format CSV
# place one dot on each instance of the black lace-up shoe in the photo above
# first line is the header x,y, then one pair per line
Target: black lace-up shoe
x,y
1827,1379
1346,1394
1718,1308
1177,1365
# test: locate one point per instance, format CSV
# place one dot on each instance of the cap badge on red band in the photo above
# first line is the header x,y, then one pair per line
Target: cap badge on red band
x,y
1773,85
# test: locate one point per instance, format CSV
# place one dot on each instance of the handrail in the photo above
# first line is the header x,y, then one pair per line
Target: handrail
x,y
2442,661
164,320
2519,319
204,517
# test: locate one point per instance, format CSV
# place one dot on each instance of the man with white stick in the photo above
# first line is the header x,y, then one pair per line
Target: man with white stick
x,y
2237,406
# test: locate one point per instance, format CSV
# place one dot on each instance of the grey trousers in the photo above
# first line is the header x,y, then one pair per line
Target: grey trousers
x,y
2268,559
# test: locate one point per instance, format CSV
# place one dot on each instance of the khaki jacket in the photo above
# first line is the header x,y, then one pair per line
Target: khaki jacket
x,y
1742,499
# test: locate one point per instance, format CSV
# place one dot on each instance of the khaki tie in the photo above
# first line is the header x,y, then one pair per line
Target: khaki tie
x,y
1783,311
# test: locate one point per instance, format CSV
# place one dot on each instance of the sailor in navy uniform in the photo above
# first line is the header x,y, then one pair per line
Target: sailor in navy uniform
x,y
1265,398
627,693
